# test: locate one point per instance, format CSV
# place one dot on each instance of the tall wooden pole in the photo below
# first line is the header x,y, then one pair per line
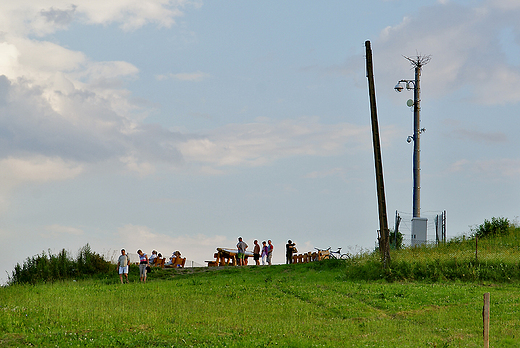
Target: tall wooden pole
x,y
384,240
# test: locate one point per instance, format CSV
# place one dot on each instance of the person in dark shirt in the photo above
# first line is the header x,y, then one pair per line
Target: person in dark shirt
x,y
256,253
289,250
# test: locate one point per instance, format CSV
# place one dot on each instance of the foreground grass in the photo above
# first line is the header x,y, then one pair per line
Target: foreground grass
x,y
309,305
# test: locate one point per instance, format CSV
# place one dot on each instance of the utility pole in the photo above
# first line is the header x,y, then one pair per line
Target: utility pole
x,y
419,225
384,238
417,62
417,140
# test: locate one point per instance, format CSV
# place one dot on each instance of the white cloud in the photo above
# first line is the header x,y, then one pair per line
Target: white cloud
x,y
505,167
59,230
465,47
478,136
58,72
107,71
43,17
458,166
504,4
133,164
258,144
133,14
56,103
61,117
8,59
78,112
39,59
491,168
33,169
36,169
196,76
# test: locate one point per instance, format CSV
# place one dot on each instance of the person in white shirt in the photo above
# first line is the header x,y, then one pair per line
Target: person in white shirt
x,y
241,255
152,257
123,262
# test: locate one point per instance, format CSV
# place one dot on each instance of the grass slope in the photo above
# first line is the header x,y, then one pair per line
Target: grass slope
x,y
288,306
430,297
493,259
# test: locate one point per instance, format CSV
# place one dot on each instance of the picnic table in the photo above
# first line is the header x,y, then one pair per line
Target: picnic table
x,y
226,257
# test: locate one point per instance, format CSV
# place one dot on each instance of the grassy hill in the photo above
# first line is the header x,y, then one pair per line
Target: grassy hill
x,y
495,256
430,297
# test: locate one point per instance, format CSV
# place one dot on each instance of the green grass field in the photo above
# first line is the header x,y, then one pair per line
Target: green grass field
x,y
286,306
430,296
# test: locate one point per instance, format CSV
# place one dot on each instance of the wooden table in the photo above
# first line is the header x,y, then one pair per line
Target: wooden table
x,y
226,257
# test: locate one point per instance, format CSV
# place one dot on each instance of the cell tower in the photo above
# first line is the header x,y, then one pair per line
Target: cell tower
x,y
418,224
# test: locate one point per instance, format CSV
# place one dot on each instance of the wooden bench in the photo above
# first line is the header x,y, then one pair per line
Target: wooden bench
x,y
323,255
309,257
178,262
159,262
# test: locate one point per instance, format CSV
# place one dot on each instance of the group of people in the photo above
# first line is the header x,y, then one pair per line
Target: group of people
x,y
158,256
123,263
264,252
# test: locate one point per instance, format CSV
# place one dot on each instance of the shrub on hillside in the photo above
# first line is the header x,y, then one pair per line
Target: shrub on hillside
x,y
396,240
89,262
495,227
49,267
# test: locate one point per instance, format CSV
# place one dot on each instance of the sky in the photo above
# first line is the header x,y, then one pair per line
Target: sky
x,y
184,124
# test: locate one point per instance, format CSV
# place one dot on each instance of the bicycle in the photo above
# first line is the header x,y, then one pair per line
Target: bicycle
x,y
334,255
337,255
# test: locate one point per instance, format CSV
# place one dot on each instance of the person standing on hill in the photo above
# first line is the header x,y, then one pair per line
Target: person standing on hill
x,y
256,253
265,250
143,263
241,255
289,250
270,249
123,263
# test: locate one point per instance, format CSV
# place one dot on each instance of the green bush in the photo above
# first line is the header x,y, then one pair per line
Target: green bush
x,y
495,227
49,267
89,262
396,240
